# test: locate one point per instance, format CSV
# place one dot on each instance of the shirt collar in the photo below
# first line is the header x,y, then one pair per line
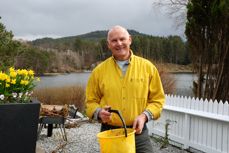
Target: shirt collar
x,y
129,60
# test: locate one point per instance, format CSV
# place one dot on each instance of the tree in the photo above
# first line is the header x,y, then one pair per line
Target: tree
x,y
104,52
33,58
8,47
207,31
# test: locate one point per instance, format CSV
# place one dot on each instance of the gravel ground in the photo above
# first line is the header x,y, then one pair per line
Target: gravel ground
x,y
82,139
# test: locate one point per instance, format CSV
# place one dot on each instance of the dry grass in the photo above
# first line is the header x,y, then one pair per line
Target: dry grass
x,y
174,68
168,81
62,95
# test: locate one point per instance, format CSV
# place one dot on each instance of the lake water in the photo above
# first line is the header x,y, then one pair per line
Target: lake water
x,y
70,79
183,81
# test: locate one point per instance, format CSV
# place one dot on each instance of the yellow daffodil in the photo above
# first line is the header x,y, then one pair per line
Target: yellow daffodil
x,y
26,82
8,79
31,72
12,69
7,85
13,74
3,76
13,81
19,72
22,72
22,82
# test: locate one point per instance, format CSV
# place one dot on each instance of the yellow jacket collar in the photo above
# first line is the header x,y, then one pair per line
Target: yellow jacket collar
x,y
131,56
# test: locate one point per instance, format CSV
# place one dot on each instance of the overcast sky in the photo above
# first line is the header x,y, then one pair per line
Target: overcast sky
x,y
30,19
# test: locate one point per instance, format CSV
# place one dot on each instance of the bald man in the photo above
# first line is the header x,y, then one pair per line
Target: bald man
x,y
127,83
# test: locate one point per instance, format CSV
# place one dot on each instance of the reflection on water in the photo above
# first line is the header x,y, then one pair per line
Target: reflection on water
x,y
183,81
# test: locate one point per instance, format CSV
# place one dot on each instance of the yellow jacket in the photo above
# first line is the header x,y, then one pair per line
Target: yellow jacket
x,y
140,89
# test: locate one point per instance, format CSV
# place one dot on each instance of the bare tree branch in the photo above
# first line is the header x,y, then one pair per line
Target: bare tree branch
x,y
175,9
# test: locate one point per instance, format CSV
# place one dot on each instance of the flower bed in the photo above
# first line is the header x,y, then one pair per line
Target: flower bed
x,y
16,86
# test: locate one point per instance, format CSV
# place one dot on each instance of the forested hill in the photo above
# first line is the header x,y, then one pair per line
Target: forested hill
x,y
91,36
91,47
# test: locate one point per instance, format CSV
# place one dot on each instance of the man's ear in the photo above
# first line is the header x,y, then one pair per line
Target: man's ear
x,y
108,45
130,39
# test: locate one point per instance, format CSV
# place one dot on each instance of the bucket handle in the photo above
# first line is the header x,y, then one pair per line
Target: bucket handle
x,y
120,116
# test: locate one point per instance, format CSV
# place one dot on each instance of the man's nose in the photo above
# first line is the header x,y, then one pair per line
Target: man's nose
x,y
119,42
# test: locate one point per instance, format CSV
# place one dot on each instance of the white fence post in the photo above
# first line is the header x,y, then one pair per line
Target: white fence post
x,y
186,131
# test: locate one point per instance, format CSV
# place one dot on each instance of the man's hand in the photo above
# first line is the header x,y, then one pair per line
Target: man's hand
x,y
139,123
104,115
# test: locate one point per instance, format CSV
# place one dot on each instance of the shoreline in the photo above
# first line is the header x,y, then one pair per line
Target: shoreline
x,y
63,73
178,72
56,74
167,67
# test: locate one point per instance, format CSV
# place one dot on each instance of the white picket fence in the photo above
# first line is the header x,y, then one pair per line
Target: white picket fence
x,y
197,124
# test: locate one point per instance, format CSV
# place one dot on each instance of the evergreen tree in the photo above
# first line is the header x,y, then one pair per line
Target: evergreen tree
x,y
207,31
8,47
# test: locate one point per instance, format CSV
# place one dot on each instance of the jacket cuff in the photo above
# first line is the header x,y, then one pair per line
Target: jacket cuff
x,y
148,115
96,114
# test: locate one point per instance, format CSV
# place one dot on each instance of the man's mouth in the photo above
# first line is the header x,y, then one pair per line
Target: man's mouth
x,y
119,48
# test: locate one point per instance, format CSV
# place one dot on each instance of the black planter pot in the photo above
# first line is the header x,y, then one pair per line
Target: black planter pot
x,y
18,127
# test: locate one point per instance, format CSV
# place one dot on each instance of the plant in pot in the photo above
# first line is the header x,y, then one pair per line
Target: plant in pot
x,y
19,113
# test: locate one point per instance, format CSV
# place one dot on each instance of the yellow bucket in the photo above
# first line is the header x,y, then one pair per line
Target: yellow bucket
x,y
115,141
120,140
